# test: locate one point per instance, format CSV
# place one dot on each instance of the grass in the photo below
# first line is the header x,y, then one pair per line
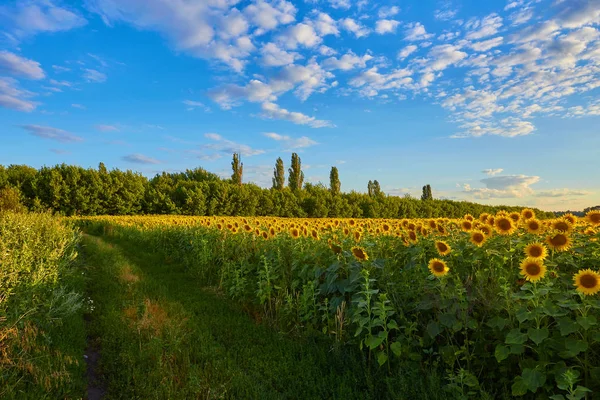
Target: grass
x,y
161,335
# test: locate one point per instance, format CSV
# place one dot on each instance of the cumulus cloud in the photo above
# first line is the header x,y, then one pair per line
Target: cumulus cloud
x,y
347,62
273,111
138,158
384,26
291,143
192,105
480,28
486,45
562,193
386,12
48,132
354,27
269,15
299,35
15,98
16,65
506,186
407,51
28,18
273,56
416,31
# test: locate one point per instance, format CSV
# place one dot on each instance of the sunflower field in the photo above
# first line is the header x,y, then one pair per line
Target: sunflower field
x,y
501,305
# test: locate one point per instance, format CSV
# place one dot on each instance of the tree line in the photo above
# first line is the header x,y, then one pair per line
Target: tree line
x,y
74,190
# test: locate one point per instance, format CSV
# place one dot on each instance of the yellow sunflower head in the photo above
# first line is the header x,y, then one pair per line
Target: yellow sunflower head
x,y
265,235
412,236
559,241
315,234
534,226
536,250
587,281
562,225
478,238
504,225
527,213
442,248
469,217
360,253
346,231
571,218
515,216
589,231
593,217
438,267
432,224
295,232
272,231
466,225
487,230
336,248
483,217
533,269
357,235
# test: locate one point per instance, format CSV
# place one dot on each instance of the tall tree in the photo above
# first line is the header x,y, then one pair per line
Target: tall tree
x,y
296,176
334,181
426,193
238,169
279,175
376,188
370,188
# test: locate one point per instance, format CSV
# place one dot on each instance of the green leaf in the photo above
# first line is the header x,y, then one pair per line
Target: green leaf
x,y
448,319
557,397
433,329
517,349
392,325
523,315
374,341
587,322
501,353
538,335
533,379
396,349
515,336
573,347
381,358
567,326
519,388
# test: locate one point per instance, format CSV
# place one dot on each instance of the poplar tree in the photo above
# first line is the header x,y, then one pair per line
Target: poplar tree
x,y
295,174
334,181
238,169
279,175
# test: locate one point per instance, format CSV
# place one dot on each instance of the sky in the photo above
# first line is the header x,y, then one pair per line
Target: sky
x,y
496,102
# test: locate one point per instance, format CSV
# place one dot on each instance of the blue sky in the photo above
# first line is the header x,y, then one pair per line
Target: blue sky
x,y
496,102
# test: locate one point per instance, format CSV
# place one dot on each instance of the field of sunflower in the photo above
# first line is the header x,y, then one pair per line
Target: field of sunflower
x,y
501,305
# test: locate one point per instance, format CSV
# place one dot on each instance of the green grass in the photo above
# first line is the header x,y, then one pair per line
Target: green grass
x,y
162,335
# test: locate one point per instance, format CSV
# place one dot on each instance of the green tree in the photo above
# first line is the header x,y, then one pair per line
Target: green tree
x,y
296,176
279,175
334,181
426,193
238,169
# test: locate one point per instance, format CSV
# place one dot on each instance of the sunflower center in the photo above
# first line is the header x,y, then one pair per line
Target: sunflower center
x,y
504,224
595,218
478,237
532,269
528,214
438,267
561,226
534,226
442,247
588,281
535,251
559,240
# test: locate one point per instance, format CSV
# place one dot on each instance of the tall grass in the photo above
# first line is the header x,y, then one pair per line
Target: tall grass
x,y
42,334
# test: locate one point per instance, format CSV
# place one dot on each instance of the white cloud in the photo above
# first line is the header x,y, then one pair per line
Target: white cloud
x,y
521,16
48,132
273,56
324,24
223,145
480,28
140,159
291,143
356,28
14,64
58,69
326,51
493,171
444,55
107,128
371,81
299,34
562,193
445,14
79,106
91,75
195,104
11,96
347,62
407,51
273,111
386,12
269,15
486,45
28,18
384,26
506,186
416,31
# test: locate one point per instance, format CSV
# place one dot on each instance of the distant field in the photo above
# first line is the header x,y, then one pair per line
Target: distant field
x,y
491,306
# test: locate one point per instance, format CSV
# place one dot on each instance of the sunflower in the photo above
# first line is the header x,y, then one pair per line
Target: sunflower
x,y
593,217
265,235
432,224
587,281
562,225
357,236
589,231
504,225
351,222
385,227
314,234
533,269
346,231
272,231
469,217
533,226
360,253
438,267
336,248
536,250
441,229
487,230
559,241
515,216
571,218
478,238
412,236
466,225
527,213
442,248
295,233
483,217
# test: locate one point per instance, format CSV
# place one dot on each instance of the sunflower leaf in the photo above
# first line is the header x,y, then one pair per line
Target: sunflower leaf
x,y
587,322
538,335
501,353
515,336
